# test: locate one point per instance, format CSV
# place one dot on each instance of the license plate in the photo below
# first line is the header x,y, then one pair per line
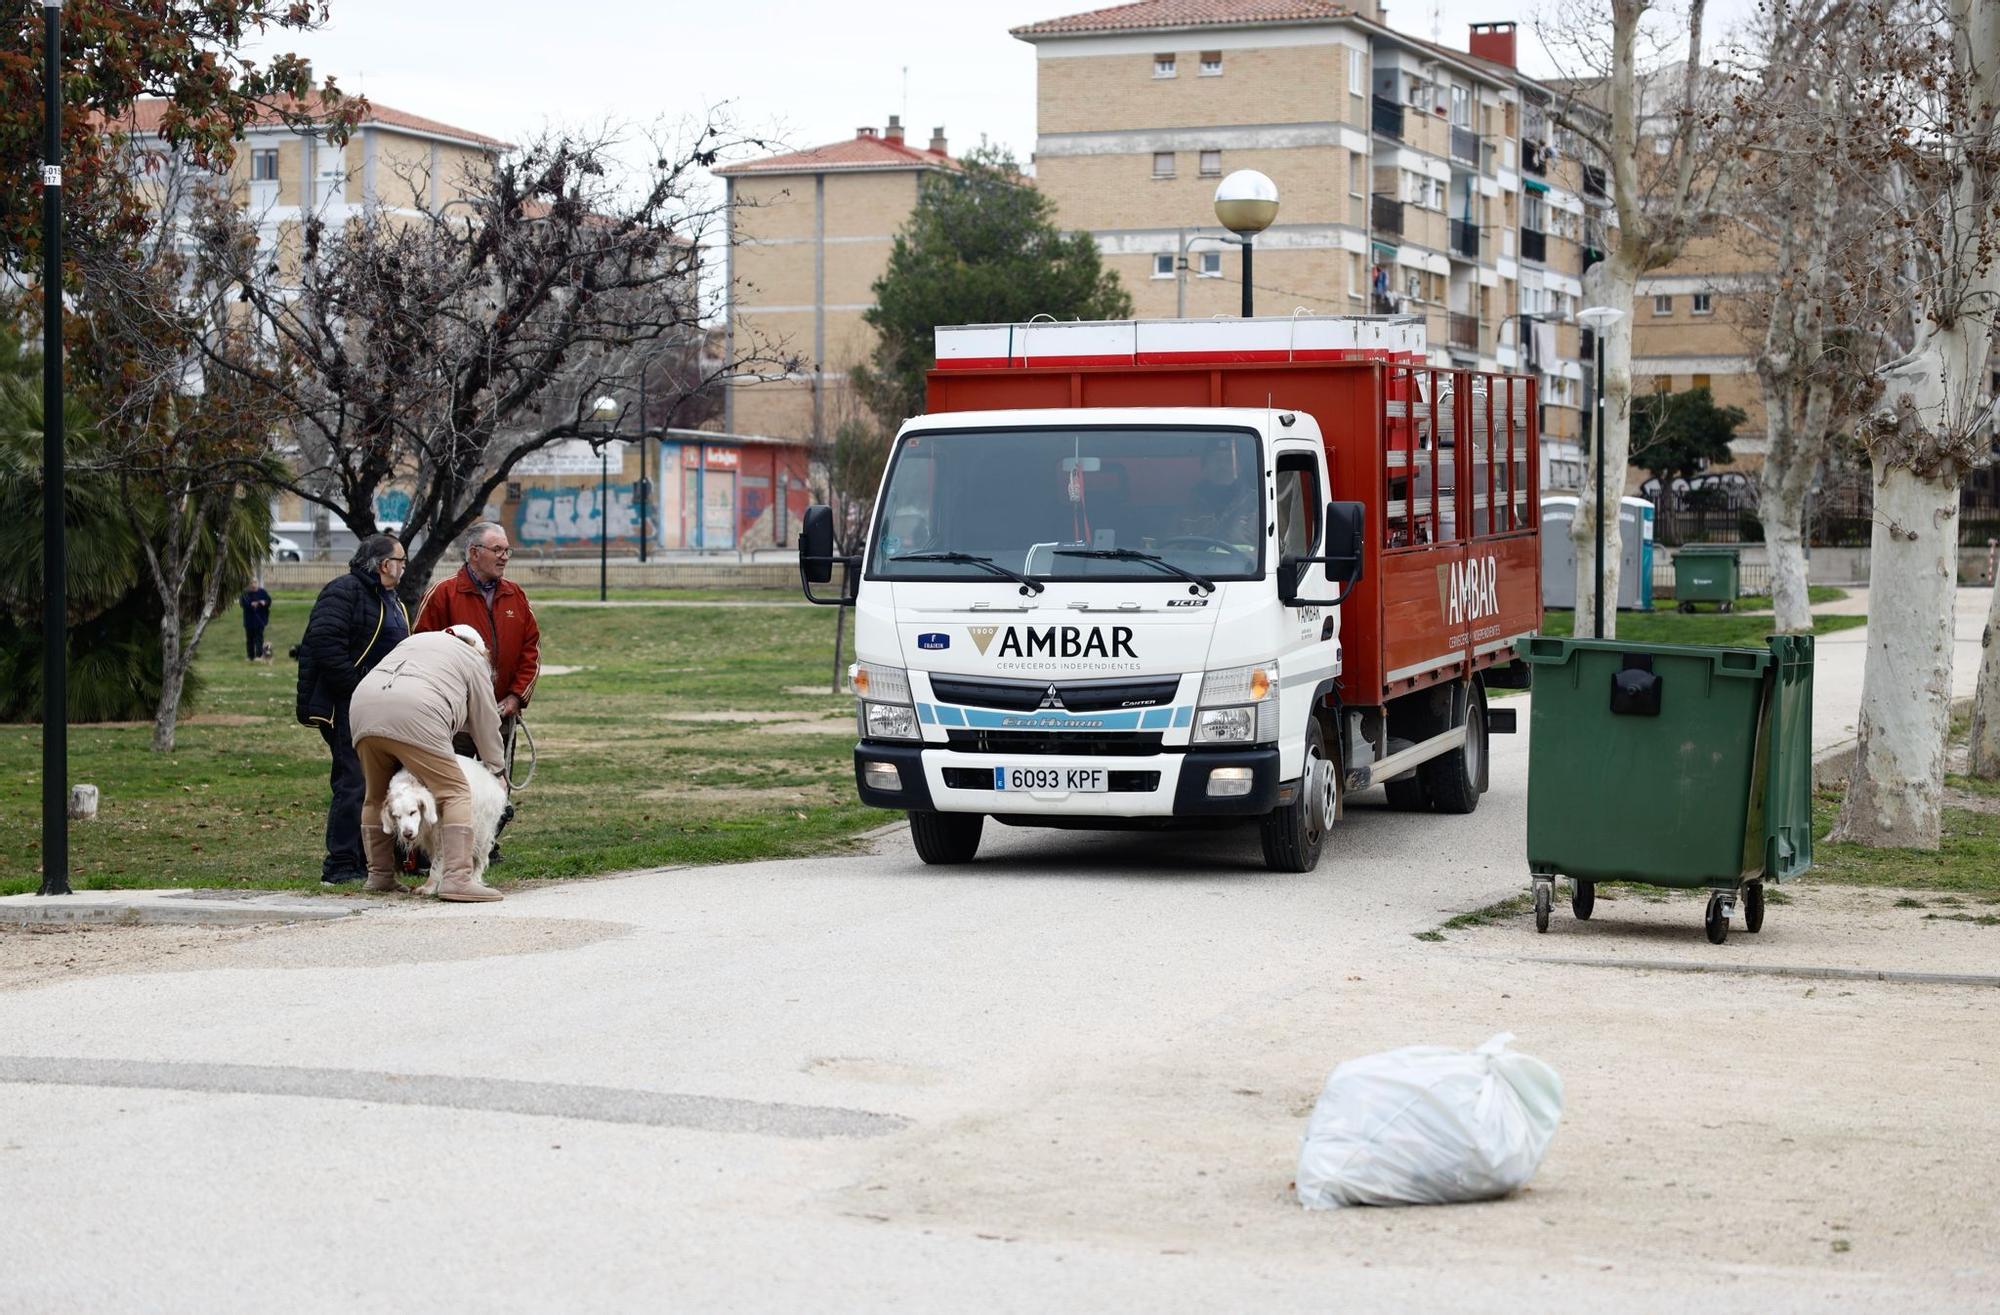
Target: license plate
x,y
1050,780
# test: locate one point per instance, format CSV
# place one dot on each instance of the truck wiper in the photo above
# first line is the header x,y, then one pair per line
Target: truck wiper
x,y
1134,555
972,559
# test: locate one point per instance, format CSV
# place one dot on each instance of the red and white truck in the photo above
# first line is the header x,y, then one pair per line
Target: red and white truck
x,y
1186,572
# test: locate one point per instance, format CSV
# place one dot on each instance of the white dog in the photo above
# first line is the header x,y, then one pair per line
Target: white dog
x,y
410,813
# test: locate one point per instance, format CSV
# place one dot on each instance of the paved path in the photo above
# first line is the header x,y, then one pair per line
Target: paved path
x,y
1070,1076
1840,662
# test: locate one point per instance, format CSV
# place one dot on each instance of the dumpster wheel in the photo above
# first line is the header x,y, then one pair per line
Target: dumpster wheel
x,y
1716,920
1544,897
1582,898
1753,906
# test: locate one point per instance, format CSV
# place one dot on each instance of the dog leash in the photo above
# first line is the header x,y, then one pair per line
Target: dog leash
x,y
521,732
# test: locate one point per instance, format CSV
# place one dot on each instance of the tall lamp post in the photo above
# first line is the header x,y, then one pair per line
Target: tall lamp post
x,y
604,409
1246,202
1597,319
55,557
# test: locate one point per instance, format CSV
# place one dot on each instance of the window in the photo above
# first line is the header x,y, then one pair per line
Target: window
x,y
1663,305
1698,381
1461,106
1534,212
1297,498
1211,264
1211,63
1704,303
1163,164
1662,385
1211,164
1355,182
264,166
1357,72
1354,285
1163,66
1163,265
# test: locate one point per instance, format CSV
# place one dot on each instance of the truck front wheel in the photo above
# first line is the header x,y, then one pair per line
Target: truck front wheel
x,y
1294,833
946,837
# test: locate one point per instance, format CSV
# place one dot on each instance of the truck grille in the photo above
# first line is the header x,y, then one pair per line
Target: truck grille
x,y
1076,695
981,778
1095,746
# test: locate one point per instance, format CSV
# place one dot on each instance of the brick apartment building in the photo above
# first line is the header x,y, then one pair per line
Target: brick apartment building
x,y
810,232
1415,179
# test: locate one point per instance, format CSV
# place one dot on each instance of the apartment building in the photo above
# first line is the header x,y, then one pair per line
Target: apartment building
x,y
809,233
1414,179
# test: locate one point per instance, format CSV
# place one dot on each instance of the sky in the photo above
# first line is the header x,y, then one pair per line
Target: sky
x,y
801,74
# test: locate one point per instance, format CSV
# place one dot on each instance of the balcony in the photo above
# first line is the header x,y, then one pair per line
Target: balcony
x,y
1535,158
1465,146
1534,245
1463,332
1388,119
1593,181
1381,303
1385,214
1464,239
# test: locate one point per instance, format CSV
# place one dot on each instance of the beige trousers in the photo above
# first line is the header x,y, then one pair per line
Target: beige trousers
x,y
440,773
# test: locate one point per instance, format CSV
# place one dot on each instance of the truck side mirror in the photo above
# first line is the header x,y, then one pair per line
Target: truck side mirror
x,y
1345,524
816,545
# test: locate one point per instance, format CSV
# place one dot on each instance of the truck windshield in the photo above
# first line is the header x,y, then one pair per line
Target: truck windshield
x,y
1193,497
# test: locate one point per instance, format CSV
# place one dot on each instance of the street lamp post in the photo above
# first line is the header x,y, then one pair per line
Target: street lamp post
x,y
1246,202
55,557
1597,319
1181,266
604,409
645,486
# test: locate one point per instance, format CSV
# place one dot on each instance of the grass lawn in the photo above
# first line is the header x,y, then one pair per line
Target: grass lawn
x,y
1815,593
1730,630
1967,863
677,740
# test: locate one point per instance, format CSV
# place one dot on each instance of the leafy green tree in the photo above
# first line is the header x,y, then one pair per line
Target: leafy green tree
x,y
1675,435
981,247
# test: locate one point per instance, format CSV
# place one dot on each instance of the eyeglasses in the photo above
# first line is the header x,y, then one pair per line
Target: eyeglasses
x,y
397,560
497,552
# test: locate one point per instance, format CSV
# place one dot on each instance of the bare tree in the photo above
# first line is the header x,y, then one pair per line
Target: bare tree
x,y
435,348
1663,195
1815,324
1931,71
190,455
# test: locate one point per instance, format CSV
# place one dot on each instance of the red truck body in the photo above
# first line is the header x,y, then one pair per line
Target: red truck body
x,y
1452,577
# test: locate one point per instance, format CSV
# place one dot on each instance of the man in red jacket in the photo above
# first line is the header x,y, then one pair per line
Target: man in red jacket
x,y
482,597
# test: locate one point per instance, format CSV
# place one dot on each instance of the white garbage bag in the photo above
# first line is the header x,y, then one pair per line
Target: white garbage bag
x,y
1427,1124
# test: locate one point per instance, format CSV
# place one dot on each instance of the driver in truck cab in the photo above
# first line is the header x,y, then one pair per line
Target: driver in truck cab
x,y
1221,505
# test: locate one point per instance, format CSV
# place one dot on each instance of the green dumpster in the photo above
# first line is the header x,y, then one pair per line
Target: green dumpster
x,y
1673,765
1707,573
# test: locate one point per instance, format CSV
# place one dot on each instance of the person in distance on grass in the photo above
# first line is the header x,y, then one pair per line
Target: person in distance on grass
x,y
256,604
355,621
480,595
406,712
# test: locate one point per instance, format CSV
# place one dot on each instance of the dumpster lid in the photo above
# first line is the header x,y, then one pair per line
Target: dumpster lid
x,y
1709,550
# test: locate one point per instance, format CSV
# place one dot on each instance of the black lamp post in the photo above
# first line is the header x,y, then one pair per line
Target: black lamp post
x,y
55,557
1598,319
1246,202
605,409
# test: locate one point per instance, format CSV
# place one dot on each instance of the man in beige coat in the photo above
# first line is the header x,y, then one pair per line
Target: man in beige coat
x,y
404,713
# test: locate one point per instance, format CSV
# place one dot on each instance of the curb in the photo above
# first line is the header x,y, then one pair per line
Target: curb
x,y
131,908
1774,970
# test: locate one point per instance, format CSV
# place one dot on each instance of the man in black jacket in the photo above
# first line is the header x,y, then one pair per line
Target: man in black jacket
x,y
355,621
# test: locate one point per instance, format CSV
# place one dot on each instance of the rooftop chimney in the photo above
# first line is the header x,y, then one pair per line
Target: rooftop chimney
x,y
1494,41
894,132
937,141
864,131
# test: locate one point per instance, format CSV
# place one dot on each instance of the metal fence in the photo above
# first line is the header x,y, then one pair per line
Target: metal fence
x,y
1722,508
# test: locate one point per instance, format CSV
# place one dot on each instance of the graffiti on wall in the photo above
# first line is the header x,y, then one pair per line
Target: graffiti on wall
x,y
571,515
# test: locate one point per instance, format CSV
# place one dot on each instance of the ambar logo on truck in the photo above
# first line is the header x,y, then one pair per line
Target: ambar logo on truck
x,y
1054,641
1469,590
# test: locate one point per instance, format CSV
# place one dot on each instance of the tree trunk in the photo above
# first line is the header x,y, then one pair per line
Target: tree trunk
x,y
1784,545
1895,794
173,675
1614,289
1986,699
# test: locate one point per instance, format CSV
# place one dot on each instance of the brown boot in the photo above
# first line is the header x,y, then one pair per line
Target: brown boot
x,y
380,848
454,862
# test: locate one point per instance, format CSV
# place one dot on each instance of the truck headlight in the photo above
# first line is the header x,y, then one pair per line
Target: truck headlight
x,y
890,721
883,684
1225,725
1238,705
